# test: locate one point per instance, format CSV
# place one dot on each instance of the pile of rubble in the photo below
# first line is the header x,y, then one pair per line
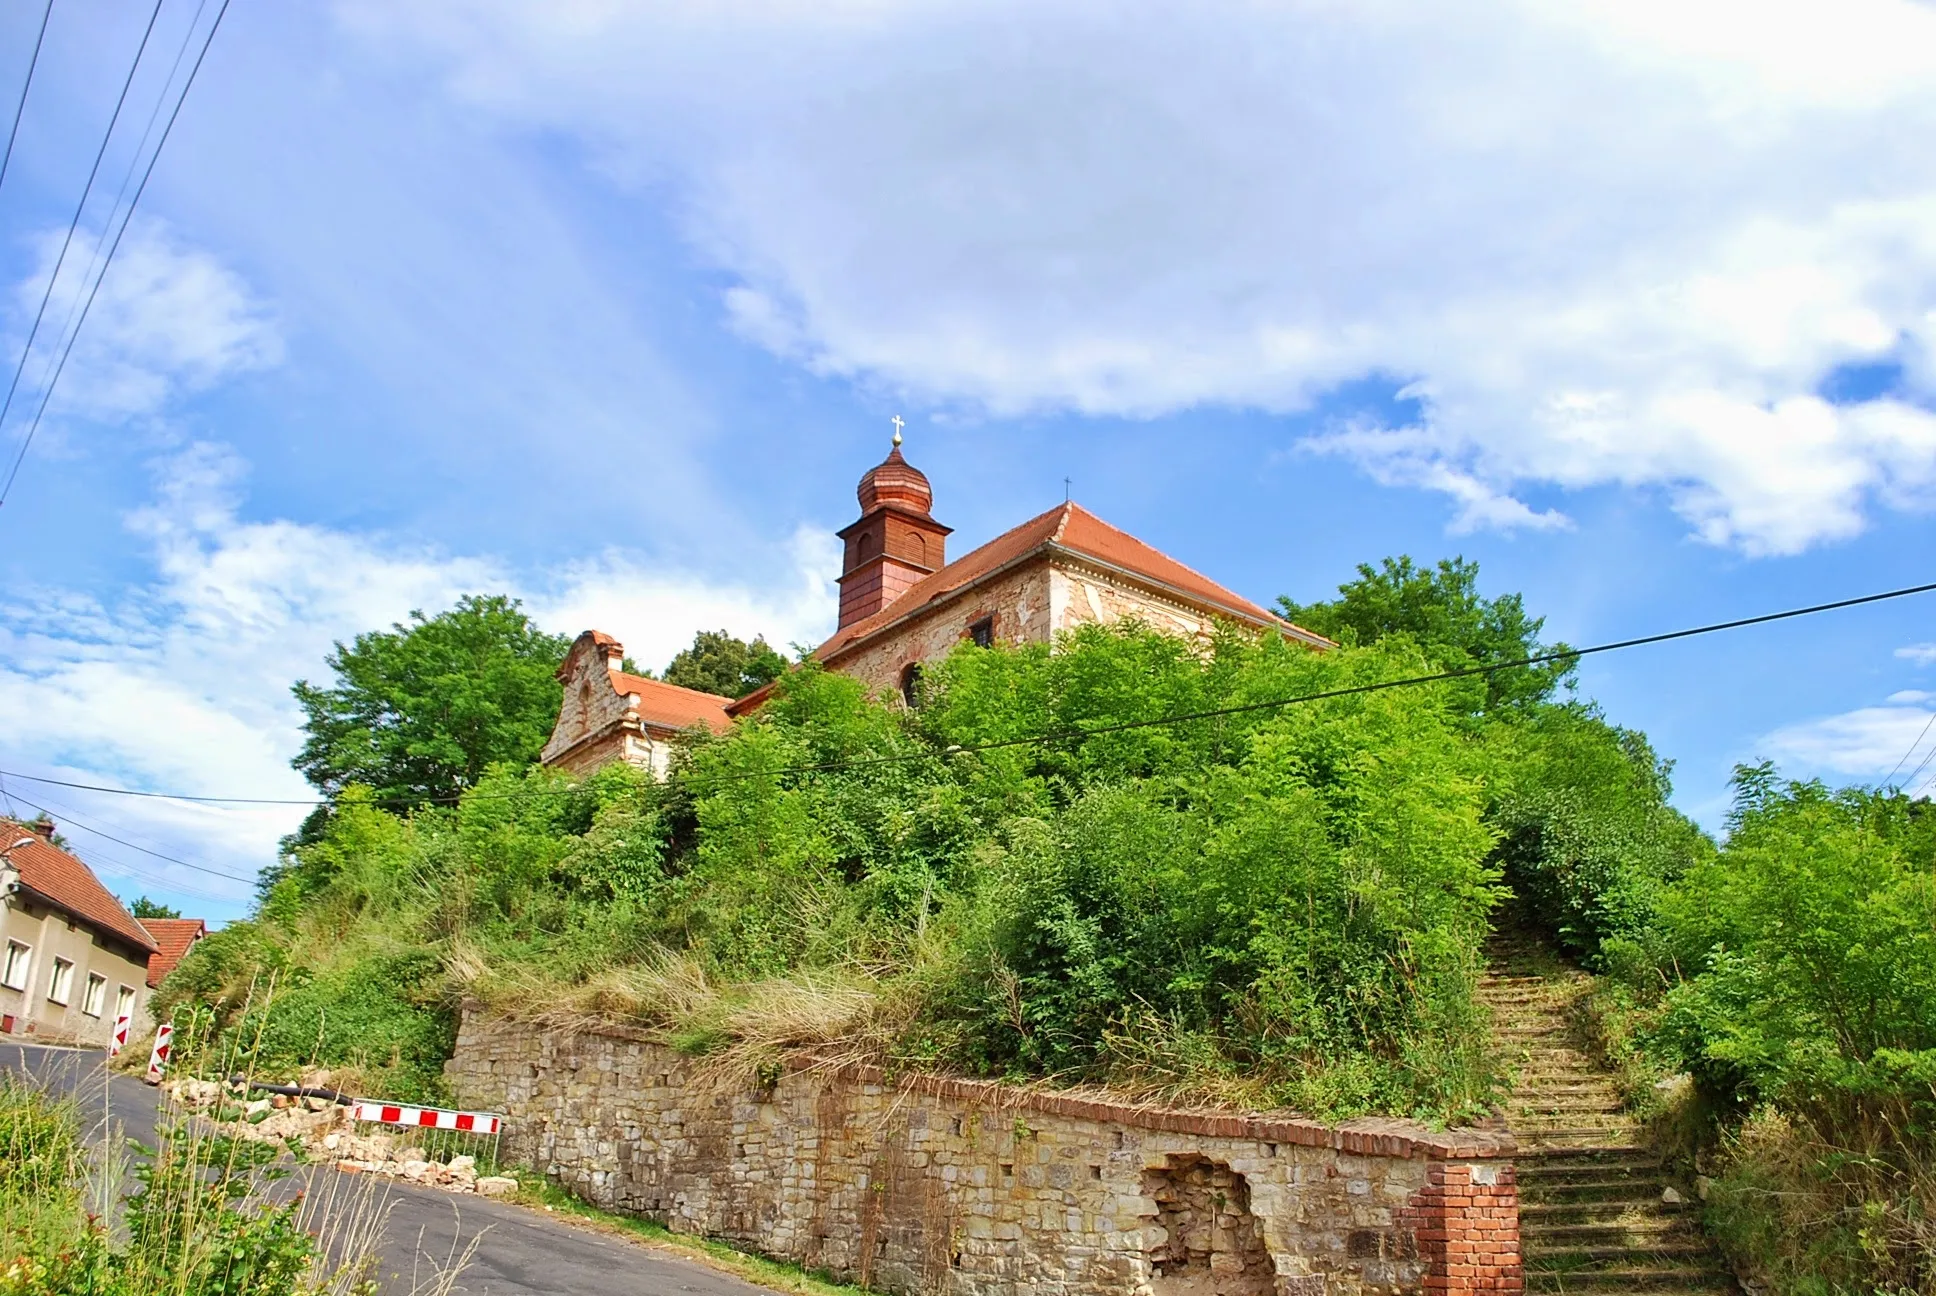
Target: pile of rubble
x,y
324,1130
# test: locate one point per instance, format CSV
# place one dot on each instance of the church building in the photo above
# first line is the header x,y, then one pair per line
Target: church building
x,y
903,603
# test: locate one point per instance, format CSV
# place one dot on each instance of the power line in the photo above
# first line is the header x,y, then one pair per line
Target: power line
x,y
53,278
1088,731
1920,767
68,817
1912,751
20,109
48,393
69,327
97,858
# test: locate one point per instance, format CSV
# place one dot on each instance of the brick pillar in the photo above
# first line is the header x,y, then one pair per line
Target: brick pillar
x,y
1467,1222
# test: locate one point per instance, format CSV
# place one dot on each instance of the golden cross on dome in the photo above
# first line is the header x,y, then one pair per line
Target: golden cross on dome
x,y
898,423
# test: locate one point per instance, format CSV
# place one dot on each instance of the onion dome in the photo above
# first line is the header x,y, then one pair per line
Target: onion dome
x,y
897,483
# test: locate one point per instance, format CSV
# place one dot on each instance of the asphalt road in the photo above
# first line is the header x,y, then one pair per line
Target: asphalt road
x,y
520,1252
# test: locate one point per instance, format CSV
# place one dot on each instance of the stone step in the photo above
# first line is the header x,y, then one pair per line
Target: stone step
x,y
1569,1098
1642,1205
1639,1282
1570,1113
1564,1101
1633,1190
1681,1249
1545,1134
1642,1234
1585,1164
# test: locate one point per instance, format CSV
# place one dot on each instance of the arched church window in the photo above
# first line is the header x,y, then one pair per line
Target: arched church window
x,y
911,683
866,546
584,706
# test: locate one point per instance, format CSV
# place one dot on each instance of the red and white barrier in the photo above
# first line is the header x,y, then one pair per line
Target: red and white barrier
x,y
426,1117
158,1060
119,1040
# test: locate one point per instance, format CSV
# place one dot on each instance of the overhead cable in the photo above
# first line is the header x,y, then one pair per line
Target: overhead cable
x,y
20,109
48,391
53,277
67,817
1912,751
1078,732
69,327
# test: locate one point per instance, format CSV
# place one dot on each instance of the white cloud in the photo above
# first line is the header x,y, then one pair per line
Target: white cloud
x,y
1868,742
1923,654
182,684
169,318
1608,243
656,613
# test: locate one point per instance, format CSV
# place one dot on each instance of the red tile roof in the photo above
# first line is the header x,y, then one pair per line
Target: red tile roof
x,y
174,936
1075,529
64,882
674,707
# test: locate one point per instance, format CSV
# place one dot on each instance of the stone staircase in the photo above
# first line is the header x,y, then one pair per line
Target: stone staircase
x,y
1596,1212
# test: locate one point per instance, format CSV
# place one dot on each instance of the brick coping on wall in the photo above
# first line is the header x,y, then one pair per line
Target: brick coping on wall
x,y
1365,1136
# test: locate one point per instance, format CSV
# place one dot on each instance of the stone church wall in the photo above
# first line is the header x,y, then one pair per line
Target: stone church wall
x,y
1030,605
950,1186
1018,600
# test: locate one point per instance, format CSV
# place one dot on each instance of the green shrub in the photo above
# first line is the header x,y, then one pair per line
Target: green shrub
x,y
1587,837
1297,895
1793,974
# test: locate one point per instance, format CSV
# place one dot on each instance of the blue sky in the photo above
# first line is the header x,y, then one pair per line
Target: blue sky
x,y
609,306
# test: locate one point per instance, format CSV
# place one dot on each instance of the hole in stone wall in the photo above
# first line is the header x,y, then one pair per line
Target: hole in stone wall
x,y
1212,1245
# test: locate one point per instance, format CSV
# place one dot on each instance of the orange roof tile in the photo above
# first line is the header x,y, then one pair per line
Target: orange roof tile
x,y
66,883
174,936
670,705
1075,529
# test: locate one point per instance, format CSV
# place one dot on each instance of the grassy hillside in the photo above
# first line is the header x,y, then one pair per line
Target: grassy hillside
x,y
1278,907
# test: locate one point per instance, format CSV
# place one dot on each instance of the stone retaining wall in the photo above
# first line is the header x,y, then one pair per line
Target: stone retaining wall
x,y
940,1185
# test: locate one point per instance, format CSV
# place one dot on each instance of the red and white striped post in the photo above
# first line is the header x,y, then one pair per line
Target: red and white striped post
x,y
158,1060
119,1040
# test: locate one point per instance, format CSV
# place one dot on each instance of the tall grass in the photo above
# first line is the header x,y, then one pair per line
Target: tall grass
x,y
198,1214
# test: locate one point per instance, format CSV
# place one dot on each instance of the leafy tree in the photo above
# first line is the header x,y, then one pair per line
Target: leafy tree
x,y
1443,612
143,907
1588,839
419,712
719,663
1814,935
1800,966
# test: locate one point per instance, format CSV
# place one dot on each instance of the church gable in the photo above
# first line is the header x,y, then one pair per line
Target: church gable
x,y
608,714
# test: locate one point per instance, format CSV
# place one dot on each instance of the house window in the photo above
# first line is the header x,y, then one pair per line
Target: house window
x,y
61,981
15,974
124,1003
911,682
983,632
96,992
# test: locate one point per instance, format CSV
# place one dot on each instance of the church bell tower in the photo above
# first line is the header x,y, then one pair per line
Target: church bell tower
x,y
894,543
